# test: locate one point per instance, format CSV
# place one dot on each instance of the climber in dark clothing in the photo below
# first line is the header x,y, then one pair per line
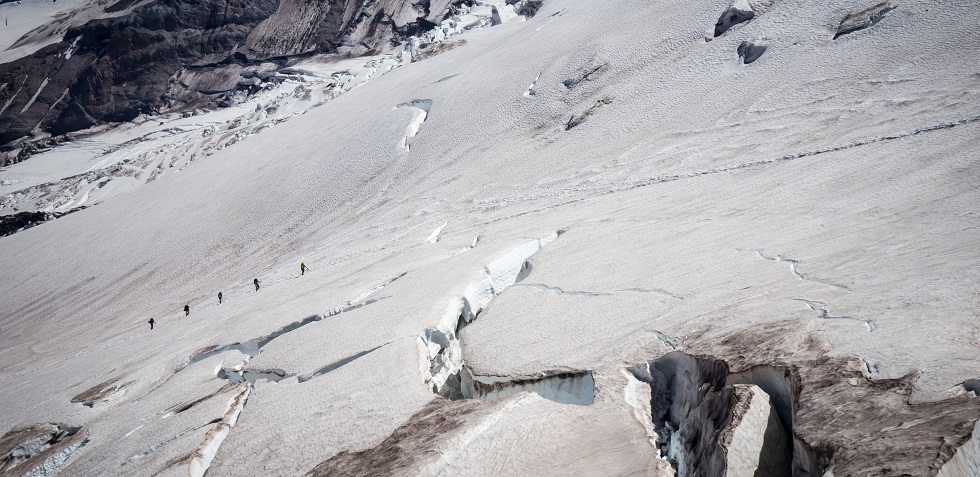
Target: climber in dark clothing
x,y
187,310
256,282
151,323
219,298
302,268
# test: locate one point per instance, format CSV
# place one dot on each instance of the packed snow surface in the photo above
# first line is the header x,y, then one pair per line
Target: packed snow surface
x,y
813,209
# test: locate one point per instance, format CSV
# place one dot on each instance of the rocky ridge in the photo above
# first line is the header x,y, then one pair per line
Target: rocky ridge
x,y
153,57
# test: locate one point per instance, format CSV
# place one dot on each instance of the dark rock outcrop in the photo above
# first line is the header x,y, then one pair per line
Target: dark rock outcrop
x,y
11,224
179,54
863,19
73,118
751,50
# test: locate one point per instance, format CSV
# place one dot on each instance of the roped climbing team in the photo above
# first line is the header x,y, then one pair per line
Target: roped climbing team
x,y
187,308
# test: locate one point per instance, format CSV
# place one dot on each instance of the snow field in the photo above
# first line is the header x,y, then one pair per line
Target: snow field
x,y
853,157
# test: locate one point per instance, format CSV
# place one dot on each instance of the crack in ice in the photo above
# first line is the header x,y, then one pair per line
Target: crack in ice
x,y
201,459
654,291
531,92
441,353
914,422
561,291
240,374
154,447
254,346
665,340
434,237
824,315
794,268
632,184
339,363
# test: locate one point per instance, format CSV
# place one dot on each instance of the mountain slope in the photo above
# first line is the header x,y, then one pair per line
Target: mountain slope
x,y
597,194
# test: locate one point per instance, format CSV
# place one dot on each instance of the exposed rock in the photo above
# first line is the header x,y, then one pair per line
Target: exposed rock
x,y
173,55
580,118
73,118
38,83
751,50
11,224
863,19
740,11
584,74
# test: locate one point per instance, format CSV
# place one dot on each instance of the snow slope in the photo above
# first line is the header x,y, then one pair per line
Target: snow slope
x,y
814,210
30,25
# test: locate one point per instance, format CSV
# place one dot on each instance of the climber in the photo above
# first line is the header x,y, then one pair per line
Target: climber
x,y
256,282
187,310
151,323
302,268
219,298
